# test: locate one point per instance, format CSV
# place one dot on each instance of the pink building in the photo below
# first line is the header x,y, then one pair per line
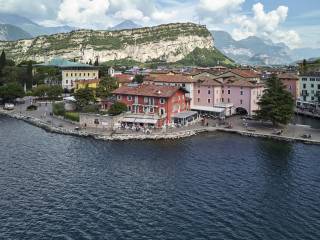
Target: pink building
x,y
291,82
228,96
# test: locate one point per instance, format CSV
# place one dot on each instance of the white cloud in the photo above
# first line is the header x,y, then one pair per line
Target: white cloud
x,y
30,8
217,10
83,13
131,14
264,24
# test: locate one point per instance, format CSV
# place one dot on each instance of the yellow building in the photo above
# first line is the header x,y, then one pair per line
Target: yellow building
x,y
81,84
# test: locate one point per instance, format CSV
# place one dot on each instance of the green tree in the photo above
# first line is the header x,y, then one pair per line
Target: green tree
x,y
2,59
106,86
84,97
96,62
276,104
54,92
11,91
117,108
40,91
138,78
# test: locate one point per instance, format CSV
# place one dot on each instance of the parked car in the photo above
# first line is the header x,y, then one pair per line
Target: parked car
x,y
8,106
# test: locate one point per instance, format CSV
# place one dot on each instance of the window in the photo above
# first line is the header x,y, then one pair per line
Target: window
x,y
67,81
312,98
222,99
129,98
71,74
75,74
209,92
290,87
118,97
198,99
222,91
88,74
198,91
151,110
162,111
304,86
228,100
94,74
241,92
96,121
145,99
183,85
312,85
67,74
241,101
312,79
129,108
209,100
304,79
318,86
229,91
162,101
79,74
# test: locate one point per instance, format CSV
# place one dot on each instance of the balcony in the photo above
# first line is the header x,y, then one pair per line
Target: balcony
x,y
304,93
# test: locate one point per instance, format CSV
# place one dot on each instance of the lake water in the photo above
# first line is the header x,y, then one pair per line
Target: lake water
x,y
212,186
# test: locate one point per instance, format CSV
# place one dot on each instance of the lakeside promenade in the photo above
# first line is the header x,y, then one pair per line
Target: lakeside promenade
x,y
42,118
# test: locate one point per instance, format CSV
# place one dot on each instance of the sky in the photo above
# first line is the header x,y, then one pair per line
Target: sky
x,y
293,22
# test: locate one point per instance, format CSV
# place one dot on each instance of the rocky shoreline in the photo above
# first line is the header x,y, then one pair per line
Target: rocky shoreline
x,y
156,136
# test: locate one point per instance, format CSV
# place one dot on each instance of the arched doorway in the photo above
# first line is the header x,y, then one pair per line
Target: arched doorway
x,y
241,111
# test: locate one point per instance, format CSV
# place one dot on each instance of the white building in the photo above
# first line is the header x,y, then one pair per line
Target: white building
x,y
310,89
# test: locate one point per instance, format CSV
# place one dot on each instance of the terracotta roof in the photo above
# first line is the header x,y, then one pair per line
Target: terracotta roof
x,y
231,81
242,83
124,78
288,76
178,78
87,81
245,73
148,90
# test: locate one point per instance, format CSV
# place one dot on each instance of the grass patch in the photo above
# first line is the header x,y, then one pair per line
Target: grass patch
x,y
73,116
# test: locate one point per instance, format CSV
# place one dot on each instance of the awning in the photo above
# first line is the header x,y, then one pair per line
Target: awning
x,y
208,109
183,115
139,120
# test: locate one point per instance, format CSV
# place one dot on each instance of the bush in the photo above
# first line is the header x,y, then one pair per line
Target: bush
x,y
117,108
73,116
90,109
58,109
32,108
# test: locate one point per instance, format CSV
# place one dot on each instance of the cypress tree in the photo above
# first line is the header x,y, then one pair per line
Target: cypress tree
x,y
276,104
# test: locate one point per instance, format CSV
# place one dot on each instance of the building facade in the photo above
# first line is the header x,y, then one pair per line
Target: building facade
x,y
309,90
151,104
233,95
72,74
291,83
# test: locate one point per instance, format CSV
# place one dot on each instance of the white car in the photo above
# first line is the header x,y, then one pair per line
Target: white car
x,y
8,106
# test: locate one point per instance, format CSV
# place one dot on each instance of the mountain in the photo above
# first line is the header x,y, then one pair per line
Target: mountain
x,y
165,43
12,33
30,27
252,50
125,25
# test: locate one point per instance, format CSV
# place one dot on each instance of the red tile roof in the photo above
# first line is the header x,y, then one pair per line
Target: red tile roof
x,y
124,78
178,78
288,76
245,73
231,81
148,90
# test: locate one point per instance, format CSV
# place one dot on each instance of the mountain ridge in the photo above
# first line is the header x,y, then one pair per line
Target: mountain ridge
x,y
164,43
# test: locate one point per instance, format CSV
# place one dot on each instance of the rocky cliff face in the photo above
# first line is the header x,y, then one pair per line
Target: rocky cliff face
x,y
168,43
